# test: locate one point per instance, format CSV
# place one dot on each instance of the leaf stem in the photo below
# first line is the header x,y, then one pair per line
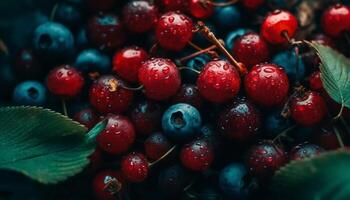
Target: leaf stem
x,y
339,113
340,141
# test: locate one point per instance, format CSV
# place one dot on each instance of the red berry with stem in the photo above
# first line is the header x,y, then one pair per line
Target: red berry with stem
x,y
252,4
308,108
267,85
134,167
197,155
336,20
251,49
160,78
156,145
107,95
306,150
315,81
127,62
241,121
140,16
175,5
65,81
201,9
108,184
146,116
86,117
118,136
174,31
189,94
219,81
276,24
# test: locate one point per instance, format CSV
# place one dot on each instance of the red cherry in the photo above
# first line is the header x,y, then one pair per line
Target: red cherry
x,y
107,184
160,78
308,109
65,81
175,5
174,31
251,49
219,81
276,23
156,145
118,136
140,16
127,62
326,138
306,150
197,155
146,116
100,5
241,121
252,4
336,20
189,94
106,31
267,85
134,167
107,96
86,117
201,9
315,81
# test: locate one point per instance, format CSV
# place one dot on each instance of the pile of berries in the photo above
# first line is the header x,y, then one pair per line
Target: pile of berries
x,y
203,99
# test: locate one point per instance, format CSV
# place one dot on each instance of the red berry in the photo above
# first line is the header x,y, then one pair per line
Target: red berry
x,y
134,167
106,31
107,184
251,49
267,85
175,5
86,117
197,155
118,136
326,138
189,94
308,109
201,9
156,145
107,96
65,81
127,62
160,78
306,150
252,4
140,16
174,31
315,81
219,81
146,117
276,23
100,5
264,159
241,121
336,20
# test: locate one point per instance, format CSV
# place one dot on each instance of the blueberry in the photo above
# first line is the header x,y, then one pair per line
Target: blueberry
x,y
67,14
227,16
293,65
181,122
196,63
31,93
275,123
53,40
232,36
92,60
172,180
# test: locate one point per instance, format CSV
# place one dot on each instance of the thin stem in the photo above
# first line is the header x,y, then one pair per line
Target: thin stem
x,y
340,141
64,107
206,50
223,4
346,125
284,132
153,49
195,46
3,47
53,12
164,156
339,113
131,88
190,69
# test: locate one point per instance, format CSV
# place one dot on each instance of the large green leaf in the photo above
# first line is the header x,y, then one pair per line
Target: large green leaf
x,y
326,177
335,73
43,144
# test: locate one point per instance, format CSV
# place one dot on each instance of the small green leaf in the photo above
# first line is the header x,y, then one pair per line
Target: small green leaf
x,y
43,144
326,177
335,73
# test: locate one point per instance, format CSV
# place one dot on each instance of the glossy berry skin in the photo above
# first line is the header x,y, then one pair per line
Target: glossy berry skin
x,y
107,96
275,123
240,121
292,64
264,159
276,23
174,31
134,167
181,122
103,184
93,60
160,78
140,16
172,180
197,155
315,82
189,94
100,5
201,9
267,85
106,31
127,62
175,5
251,49
156,145
305,150
233,36
308,109
146,116
65,81
336,20
252,4
30,93
118,136
86,117
27,65
67,14
227,16
219,81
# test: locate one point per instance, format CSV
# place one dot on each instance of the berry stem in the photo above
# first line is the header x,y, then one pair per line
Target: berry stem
x,y
335,118
131,88
340,141
284,132
163,156
64,107
202,51
223,4
3,47
153,49
53,12
190,69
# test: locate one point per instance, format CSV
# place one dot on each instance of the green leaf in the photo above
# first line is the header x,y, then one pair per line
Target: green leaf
x,y
44,145
326,177
335,73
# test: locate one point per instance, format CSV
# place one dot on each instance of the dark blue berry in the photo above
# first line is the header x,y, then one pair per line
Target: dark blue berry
x,y
31,93
293,65
275,123
232,36
197,63
67,15
93,60
227,16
